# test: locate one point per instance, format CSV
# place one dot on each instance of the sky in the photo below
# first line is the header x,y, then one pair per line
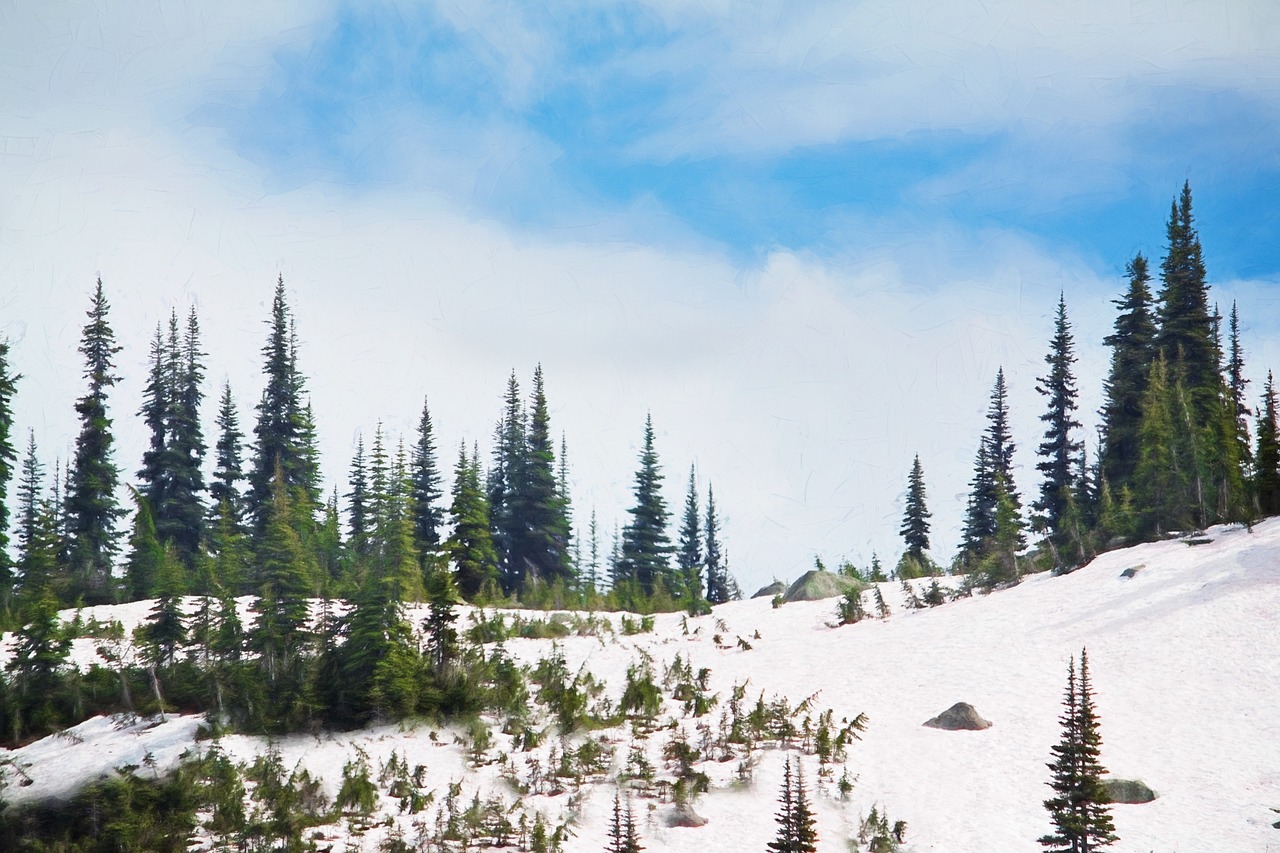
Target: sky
x,y
803,237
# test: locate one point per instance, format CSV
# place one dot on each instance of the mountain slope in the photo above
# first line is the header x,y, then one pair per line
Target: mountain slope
x,y
1185,658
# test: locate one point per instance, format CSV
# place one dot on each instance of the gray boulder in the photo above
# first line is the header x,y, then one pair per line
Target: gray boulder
x,y
959,717
684,815
1129,791
816,585
775,588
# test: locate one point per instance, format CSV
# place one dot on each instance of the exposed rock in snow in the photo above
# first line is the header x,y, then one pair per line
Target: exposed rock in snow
x,y
775,588
684,815
816,585
1129,791
959,717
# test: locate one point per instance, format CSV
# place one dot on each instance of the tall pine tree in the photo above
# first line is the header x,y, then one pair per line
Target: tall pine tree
x,y
8,462
91,505
1132,349
689,555
1267,458
1059,451
716,565
428,515
916,515
646,548
539,530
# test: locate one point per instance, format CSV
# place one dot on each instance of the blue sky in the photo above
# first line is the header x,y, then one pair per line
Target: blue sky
x,y
617,106
802,236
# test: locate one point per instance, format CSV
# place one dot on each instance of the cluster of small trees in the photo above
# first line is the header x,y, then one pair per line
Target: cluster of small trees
x,y
1174,450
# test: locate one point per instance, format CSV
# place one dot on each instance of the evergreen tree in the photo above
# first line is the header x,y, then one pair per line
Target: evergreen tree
x,y
156,396
30,488
1161,476
689,556
176,505
1059,451
1267,459
915,517
1186,333
623,837
40,651
470,545
358,514
1132,350
646,548
228,469
717,569
282,431
993,474
539,531
91,505
8,461
442,636
504,483
796,833
999,439
980,508
592,576
1236,383
428,515
1081,819
143,565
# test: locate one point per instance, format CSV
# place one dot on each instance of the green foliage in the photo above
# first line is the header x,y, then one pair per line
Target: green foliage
x,y
357,794
641,697
8,460
915,515
1078,809
1059,451
879,835
796,833
646,548
849,609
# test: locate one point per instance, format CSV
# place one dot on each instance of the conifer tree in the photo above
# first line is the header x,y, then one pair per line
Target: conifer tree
x,y
1132,351
504,482
916,515
689,556
1059,450
717,569
180,517
91,507
1236,383
1081,819
1267,458
470,545
8,463
358,515
284,432
646,548
623,837
796,833
1161,474
980,508
992,475
428,515
30,489
228,469
592,576
1186,333
143,565
442,636
539,531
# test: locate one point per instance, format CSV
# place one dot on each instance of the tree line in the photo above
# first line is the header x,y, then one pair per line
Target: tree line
x,y
1173,454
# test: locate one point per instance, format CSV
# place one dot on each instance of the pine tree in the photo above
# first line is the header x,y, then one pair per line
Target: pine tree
x,y
1059,451
623,837
1132,351
8,461
1160,479
30,489
470,545
143,565
915,516
646,548
282,432
428,516
1186,333
228,469
689,556
1267,458
717,570
1081,819
539,531
796,833
504,482
358,514
592,576
91,505
1236,383
442,637
980,508
180,518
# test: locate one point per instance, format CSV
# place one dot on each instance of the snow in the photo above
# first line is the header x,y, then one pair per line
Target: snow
x,y
1184,655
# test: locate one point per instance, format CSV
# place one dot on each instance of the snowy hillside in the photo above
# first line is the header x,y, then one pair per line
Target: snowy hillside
x,y
1185,658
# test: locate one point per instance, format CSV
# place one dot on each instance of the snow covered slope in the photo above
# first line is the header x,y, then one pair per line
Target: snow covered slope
x,y
1185,658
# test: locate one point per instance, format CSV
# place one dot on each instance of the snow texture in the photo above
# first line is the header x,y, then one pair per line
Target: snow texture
x,y
1184,655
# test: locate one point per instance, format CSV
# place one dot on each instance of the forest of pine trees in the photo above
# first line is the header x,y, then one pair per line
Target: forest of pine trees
x,y
258,523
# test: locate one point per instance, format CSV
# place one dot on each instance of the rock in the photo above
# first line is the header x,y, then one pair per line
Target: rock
x,y
1128,791
775,588
684,815
816,585
1131,571
959,717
